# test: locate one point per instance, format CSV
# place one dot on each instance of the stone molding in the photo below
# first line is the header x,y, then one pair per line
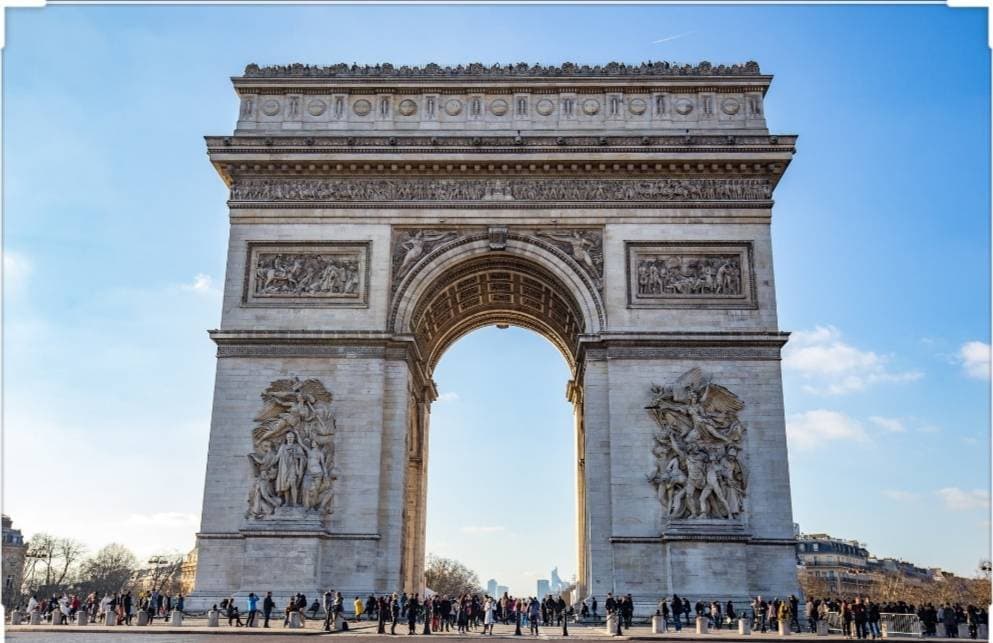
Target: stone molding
x,y
272,533
533,143
680,265
472,71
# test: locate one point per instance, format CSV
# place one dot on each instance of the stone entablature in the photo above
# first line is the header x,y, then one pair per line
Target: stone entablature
x,y
652,96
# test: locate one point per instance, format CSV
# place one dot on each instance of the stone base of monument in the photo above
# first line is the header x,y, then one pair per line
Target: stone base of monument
x,y
110,618
142,617
744,626
212,616
176,618
822,628
296,621
82,618
784,628
701,625
35,618
657,624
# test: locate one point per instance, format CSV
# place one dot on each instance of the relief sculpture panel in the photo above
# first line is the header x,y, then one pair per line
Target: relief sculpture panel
x,y
690,275
699,472
293,459
307,274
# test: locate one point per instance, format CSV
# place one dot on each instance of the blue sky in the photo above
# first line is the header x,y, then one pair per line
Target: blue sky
x,y
115,232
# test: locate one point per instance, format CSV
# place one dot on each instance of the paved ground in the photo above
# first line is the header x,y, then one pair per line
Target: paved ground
x,y
196,630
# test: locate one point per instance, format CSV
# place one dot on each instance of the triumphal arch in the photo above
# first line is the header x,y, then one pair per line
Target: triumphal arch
x,y
377,214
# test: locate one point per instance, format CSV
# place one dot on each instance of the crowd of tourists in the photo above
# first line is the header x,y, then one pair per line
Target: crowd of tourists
x,y
123,605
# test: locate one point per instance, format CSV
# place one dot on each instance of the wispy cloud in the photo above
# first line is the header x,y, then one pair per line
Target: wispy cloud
x,y
816,428
893,425
482,530
202,284
961,500
674,37
831,366
975,359
16,269
450,396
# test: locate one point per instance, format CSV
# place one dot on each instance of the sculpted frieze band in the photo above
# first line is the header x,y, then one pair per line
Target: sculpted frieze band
x,y
699,469
516,189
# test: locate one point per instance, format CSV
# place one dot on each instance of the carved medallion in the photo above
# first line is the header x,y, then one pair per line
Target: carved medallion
x,y
730,106
293,457
362,107
499,107
683,106
690,275
306,274
407,107
316,107
270,107
591,107
544,107
453,107
637,106
698,448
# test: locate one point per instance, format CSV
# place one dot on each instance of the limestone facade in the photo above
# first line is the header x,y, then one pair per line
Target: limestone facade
x,y
379,214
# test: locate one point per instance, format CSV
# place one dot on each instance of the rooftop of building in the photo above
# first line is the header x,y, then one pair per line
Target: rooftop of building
x,y
434,71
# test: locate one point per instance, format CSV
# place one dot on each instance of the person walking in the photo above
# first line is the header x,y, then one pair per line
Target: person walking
x,y
382,606
664,615
253,608
267,606
593,606
488,617
534,613
413,605
394,613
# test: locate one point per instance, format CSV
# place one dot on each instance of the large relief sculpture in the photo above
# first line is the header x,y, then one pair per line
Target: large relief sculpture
x,y
687,274
306,273
585,246
294,455
699,470
410,246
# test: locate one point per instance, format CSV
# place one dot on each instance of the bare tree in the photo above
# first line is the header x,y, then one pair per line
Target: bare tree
x,y
108,570
51,563
449,577
163,572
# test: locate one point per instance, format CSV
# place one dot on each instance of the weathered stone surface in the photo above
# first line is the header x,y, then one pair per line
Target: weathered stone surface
x,y
372,227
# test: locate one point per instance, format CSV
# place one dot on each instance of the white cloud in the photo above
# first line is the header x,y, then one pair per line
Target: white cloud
x,y
202,284
900,496
893,425
814,428
482,530
831,366
450,396
960,500
16,269
975,359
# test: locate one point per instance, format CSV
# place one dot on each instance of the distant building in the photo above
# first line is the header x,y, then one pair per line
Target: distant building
x,y
14,551
491,587
845,567
501,590
555,584
841,566
544,588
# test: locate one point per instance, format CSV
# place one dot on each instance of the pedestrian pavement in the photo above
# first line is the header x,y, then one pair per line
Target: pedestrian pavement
x,y
195,629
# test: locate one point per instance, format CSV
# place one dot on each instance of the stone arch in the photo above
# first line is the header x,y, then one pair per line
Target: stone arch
x,y
468,283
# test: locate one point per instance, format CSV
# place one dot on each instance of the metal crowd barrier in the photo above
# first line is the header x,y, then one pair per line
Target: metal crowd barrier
x,y
890,624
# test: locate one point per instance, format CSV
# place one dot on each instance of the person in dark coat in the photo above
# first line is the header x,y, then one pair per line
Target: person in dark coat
x,y
413,605
267,606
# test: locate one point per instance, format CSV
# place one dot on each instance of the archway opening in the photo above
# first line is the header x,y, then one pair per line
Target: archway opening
x,y
502,486
463,288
